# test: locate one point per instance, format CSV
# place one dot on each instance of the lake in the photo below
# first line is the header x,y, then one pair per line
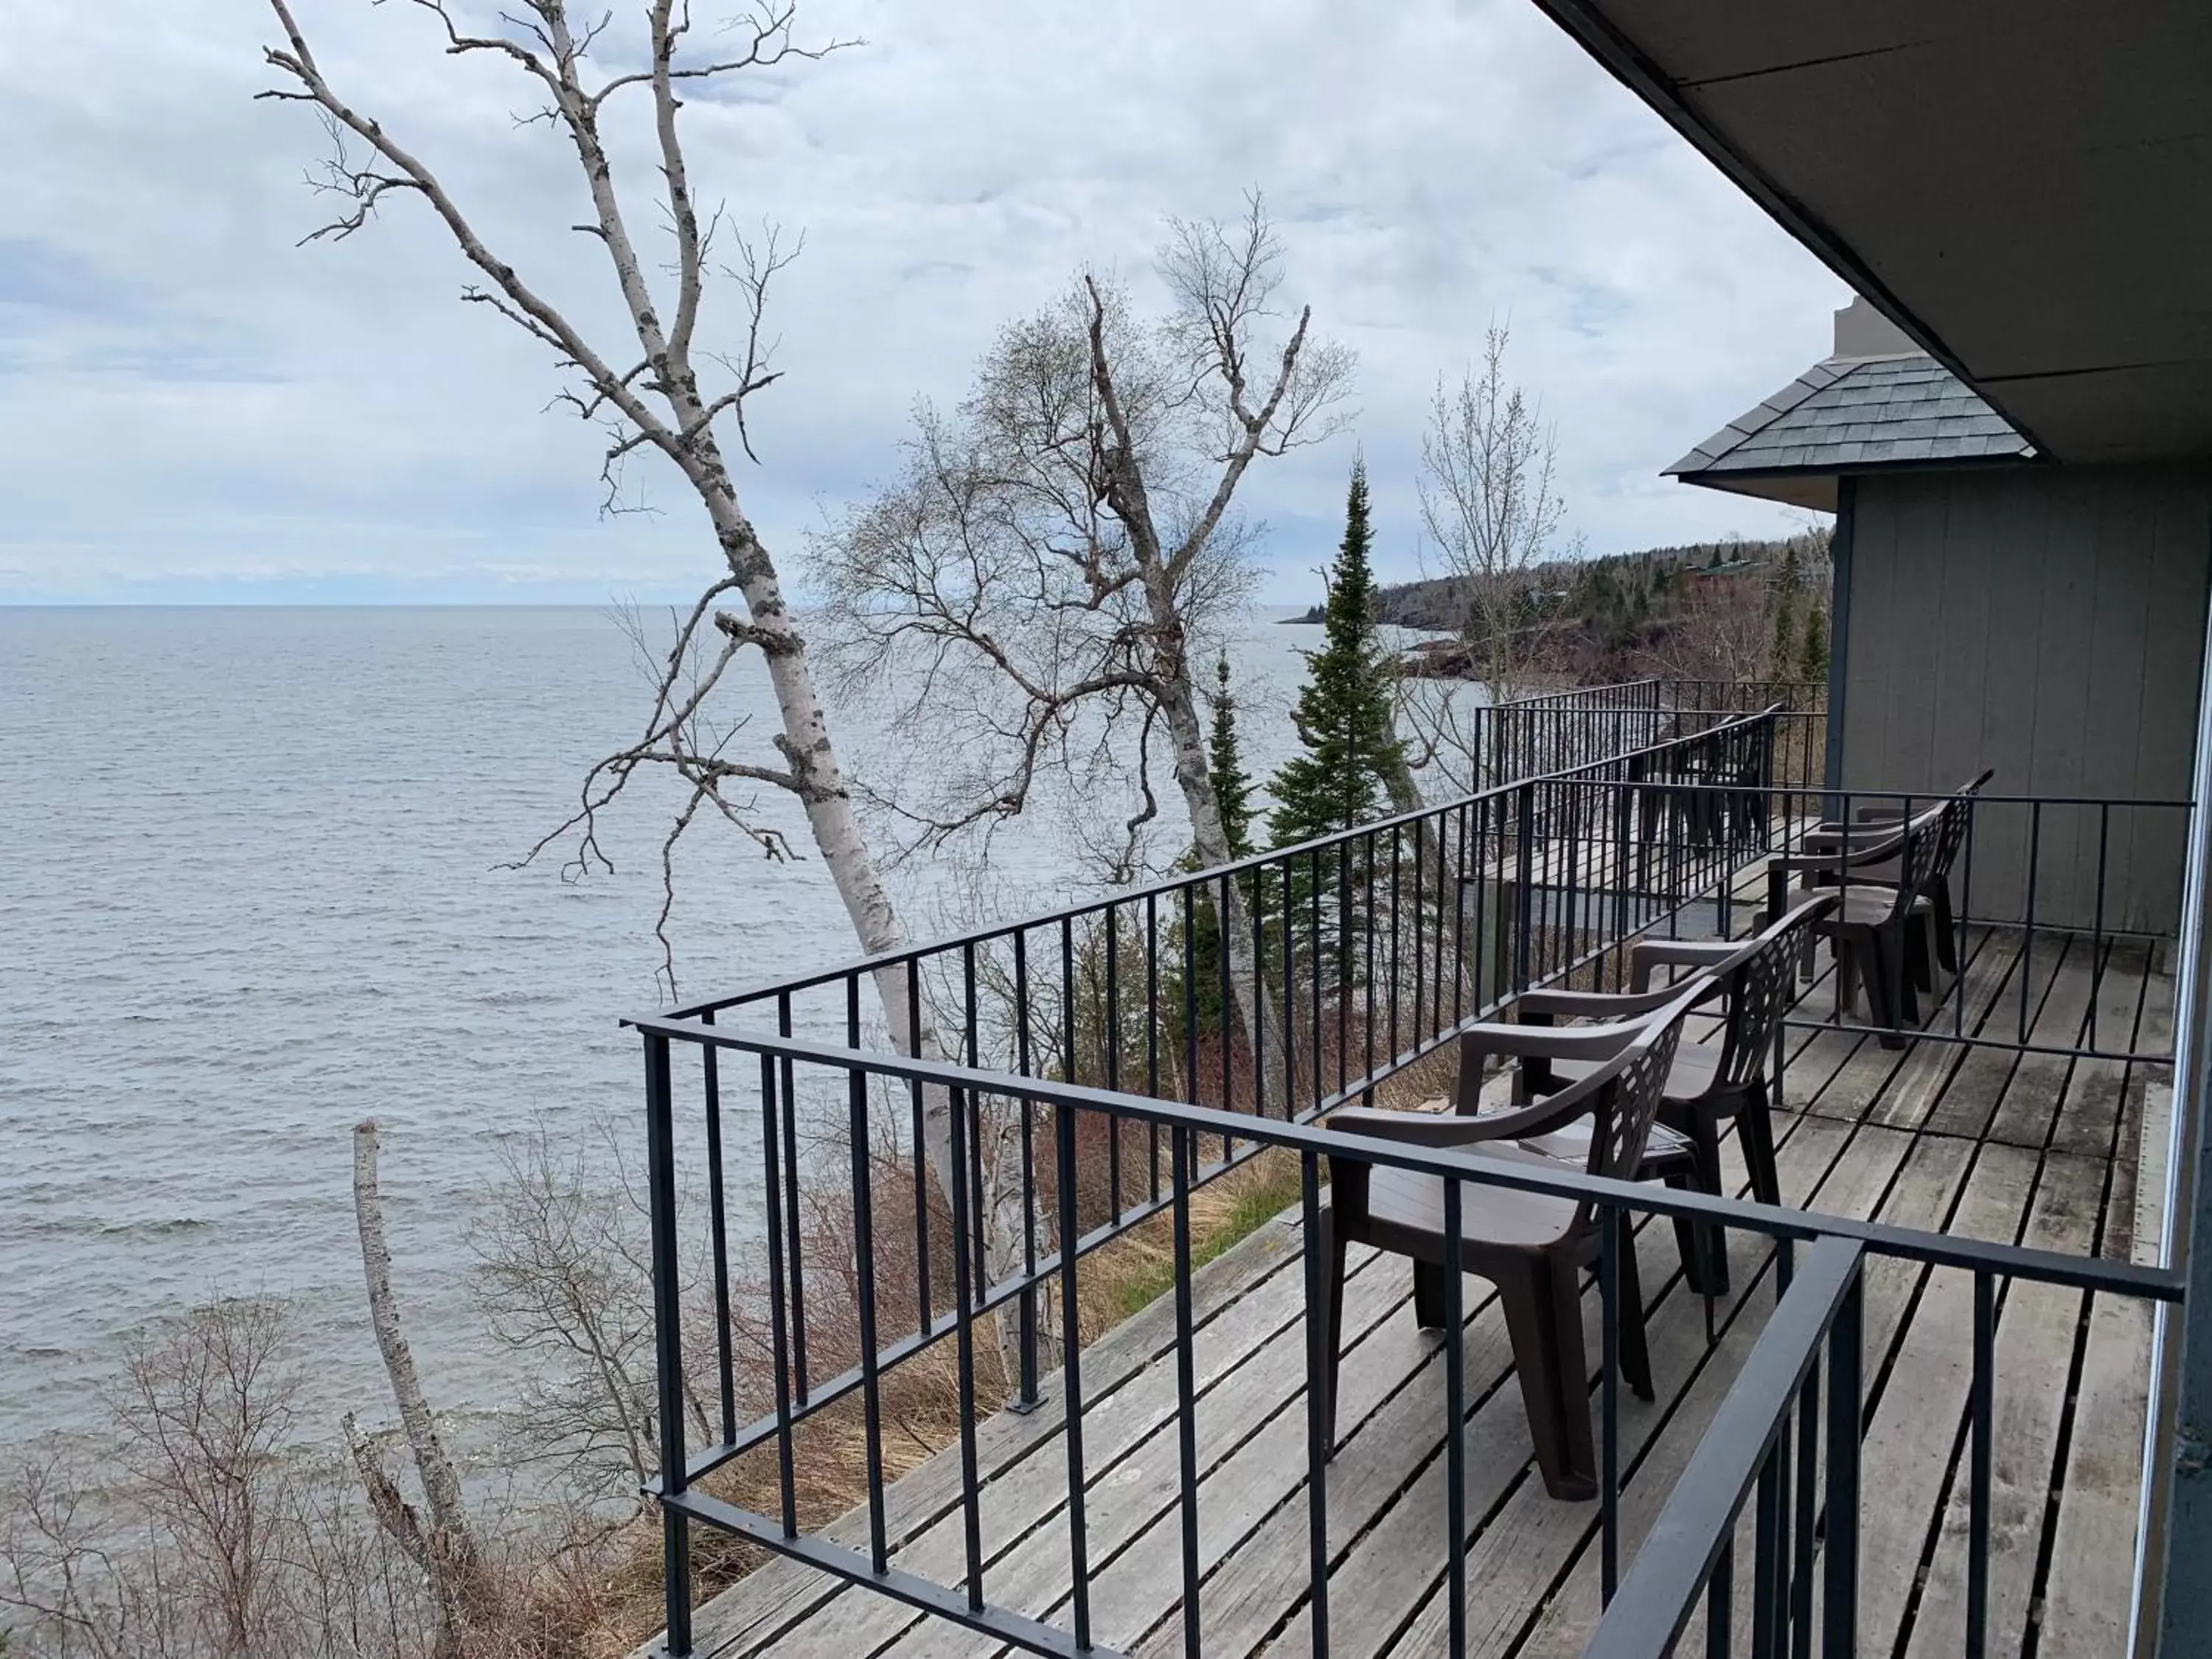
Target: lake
x,y
248,896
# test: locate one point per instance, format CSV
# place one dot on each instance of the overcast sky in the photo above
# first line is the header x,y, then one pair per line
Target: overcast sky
x,y
192,407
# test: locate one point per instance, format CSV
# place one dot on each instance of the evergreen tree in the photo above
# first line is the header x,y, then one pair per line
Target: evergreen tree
x,y
1784,654
1813,657
1224,765
1340,781
1343,711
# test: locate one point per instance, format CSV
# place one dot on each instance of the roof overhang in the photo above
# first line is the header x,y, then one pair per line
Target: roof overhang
x,y
1816,487
2024,186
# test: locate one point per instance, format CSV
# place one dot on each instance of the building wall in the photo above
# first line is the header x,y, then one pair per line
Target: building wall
x,y
2048,623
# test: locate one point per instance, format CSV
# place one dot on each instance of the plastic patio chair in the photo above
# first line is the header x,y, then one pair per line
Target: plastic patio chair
x,y
1532,1246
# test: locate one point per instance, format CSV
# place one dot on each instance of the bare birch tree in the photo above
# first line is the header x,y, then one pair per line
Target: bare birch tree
x,y
445,1547
198,1524
1062,548
659,389
1492,512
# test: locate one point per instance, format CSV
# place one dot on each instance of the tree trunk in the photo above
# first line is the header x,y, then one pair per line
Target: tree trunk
x,y
447,1552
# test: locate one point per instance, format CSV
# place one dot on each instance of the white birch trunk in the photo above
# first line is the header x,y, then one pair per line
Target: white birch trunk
x,y
448,1553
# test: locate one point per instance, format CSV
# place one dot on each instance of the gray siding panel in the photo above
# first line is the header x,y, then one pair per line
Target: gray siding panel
x,y
2048,624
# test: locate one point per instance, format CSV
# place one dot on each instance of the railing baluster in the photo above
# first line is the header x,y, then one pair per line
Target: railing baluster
x,y
1983,1417
1397,845
1026,1329
1454,1422
964,1313
864,1266
1313,885
1801,1582
1318,1405
1343,964
1720,1604
1071,1335
779,1354
789,1100
917,1109
668,1343
1367,899
2027,946
1611,1224
1184,1148
1152,1039
1222,915
1840,1558
2097,933
1260,992
1113,1041
1768,1555
710,1059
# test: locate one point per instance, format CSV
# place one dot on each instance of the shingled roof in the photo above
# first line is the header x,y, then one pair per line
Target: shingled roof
x,y
1851,414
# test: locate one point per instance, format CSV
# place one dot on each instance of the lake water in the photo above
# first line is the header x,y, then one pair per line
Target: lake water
x,y
247,897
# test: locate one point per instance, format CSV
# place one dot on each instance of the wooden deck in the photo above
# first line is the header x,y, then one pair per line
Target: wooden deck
x,y
1981,1142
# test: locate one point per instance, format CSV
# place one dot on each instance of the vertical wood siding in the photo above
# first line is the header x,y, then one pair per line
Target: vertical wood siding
x,y
2048,623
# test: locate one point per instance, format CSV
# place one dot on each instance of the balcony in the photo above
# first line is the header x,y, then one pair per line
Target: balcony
x,y
1914,1424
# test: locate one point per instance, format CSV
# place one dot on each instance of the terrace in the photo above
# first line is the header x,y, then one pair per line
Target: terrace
x,y
1915,1423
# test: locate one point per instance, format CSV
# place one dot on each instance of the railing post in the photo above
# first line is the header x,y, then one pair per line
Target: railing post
x,y
1840,1559
667,1344
1523,885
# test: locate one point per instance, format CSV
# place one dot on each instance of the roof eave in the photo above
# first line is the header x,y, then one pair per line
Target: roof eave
x,y
1815,486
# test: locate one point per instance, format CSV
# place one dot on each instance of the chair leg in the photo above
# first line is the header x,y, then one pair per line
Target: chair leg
x,y
1881,992
1847,977
1687,1239
1947,928
1429,1295
1572,1370
1712,1247
1531,1325
1892,943
1918,957
1635,1343
1755,1129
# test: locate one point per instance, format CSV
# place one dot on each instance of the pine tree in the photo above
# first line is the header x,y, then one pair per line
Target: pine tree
x,y
1341,779
1224,765
1784,654
1343,711
1812,658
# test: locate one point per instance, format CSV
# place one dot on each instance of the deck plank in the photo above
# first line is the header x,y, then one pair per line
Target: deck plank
x,y
1233,1302
1023,1511
2035,1335
1906,1457
1261,1404
1517,1558
2028,1110
1964,1138
1925,1182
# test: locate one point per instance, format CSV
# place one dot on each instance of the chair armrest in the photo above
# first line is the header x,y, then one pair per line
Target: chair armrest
x,y
1649,953
1594,1005
1890,846
1536,1047
1413,1128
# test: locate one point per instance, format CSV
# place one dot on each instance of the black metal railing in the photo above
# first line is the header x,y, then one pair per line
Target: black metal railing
x,y
924,1146
2054,895
1690,1556
1286,983
1687,1555
1557,730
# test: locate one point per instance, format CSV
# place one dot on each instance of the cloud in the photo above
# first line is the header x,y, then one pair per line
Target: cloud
x,y
192,405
